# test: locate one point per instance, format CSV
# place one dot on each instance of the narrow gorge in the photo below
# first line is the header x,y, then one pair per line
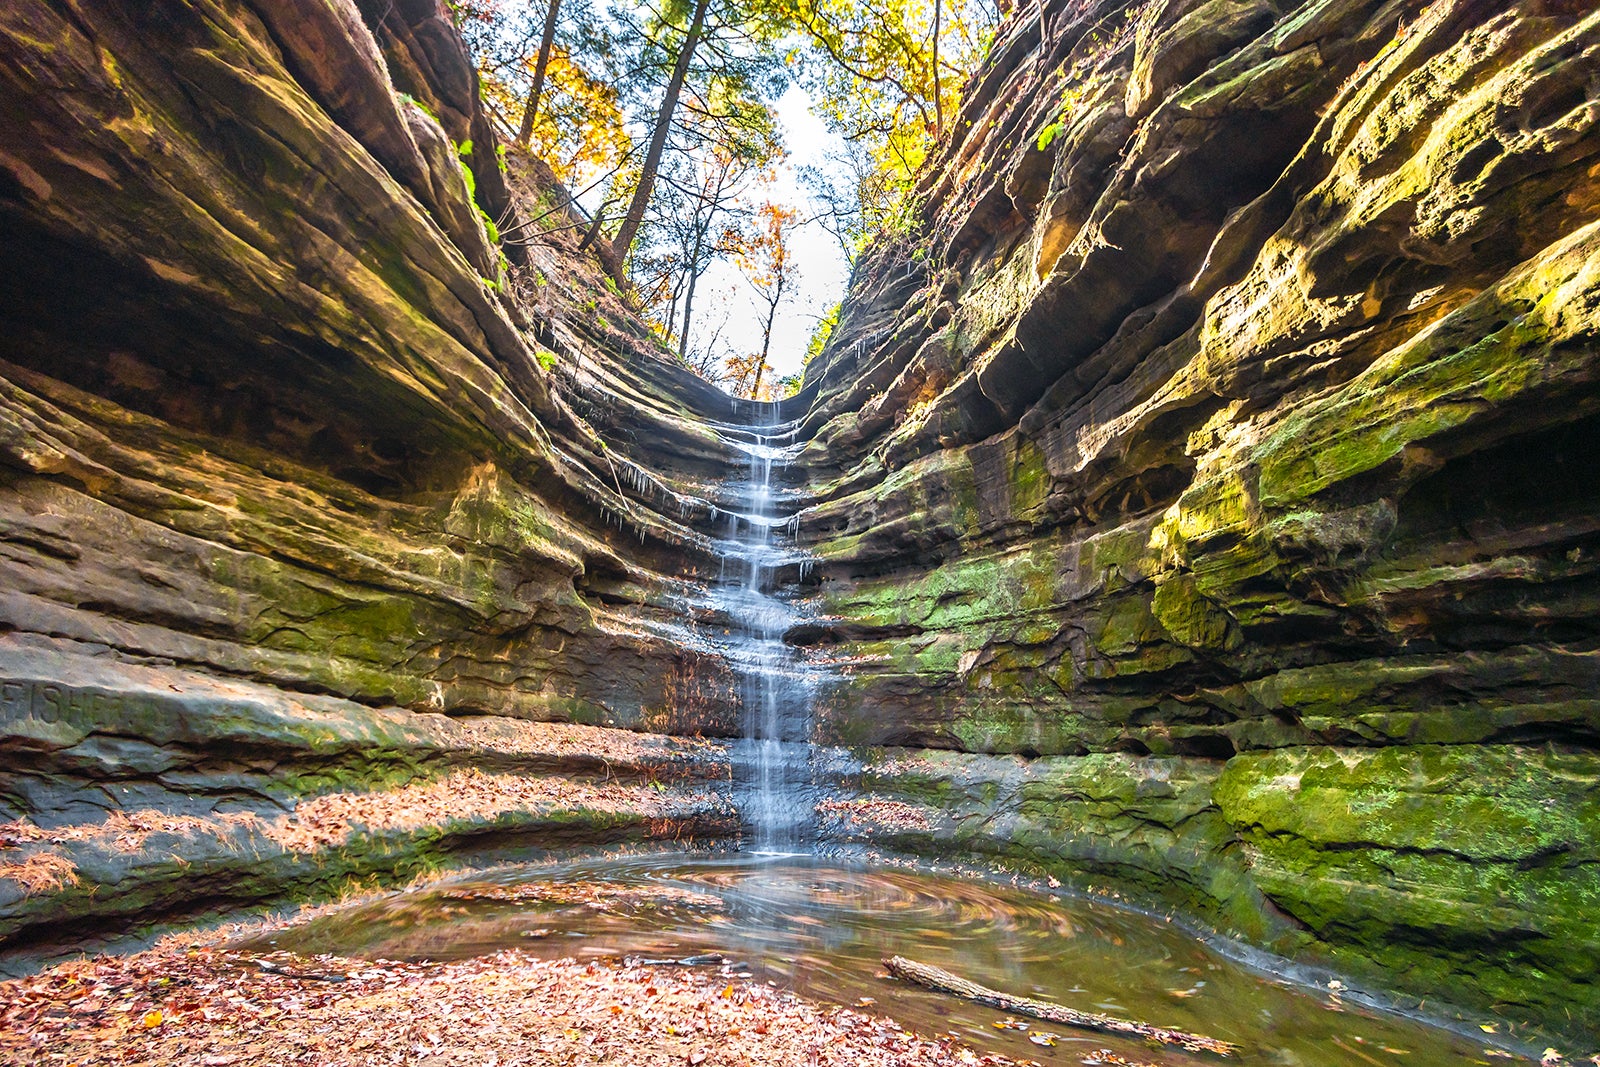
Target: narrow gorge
x,y
1196,508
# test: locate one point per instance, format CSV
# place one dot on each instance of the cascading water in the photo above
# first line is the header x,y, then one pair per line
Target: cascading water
x,y
773,762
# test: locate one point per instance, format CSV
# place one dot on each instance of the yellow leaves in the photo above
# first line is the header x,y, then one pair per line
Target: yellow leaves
x,y
151,1020
580,130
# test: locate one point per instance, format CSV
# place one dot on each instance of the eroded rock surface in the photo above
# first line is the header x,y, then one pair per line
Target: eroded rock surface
x,y
308,489
1221,444
1202,490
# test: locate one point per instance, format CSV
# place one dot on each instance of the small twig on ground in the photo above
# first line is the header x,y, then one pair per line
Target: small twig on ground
x,y
305,976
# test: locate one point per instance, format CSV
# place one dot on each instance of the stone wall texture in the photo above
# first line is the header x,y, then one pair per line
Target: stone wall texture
x,y
1213,460
1202,480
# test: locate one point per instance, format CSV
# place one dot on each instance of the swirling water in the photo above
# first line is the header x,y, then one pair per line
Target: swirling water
x,y
820,927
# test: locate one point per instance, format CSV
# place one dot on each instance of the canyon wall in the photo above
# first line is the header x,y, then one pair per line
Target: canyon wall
x,y
294,454
1205,483
1200,482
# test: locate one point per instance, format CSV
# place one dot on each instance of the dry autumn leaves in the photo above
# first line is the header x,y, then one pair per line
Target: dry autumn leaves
x,y
28,853
211,1008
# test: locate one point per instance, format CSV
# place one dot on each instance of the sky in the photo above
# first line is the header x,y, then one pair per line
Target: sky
x,y
823,269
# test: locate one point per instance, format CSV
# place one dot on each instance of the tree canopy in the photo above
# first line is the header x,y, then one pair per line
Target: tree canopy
x,y
660,118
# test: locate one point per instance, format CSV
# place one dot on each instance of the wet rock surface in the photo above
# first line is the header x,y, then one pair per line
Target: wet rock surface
x,y
308,491
1224,428
1200,492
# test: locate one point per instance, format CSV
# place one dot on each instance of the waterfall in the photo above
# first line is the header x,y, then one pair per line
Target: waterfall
x,y
772,773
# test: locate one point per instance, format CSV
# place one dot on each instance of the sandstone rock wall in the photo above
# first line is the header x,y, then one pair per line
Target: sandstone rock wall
x,y
1202,487
1221,441
293,456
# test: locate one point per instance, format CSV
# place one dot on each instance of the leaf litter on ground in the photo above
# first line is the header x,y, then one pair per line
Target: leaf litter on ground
x,y
211,1007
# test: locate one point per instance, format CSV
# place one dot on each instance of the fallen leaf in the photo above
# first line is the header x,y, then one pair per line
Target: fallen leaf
x,y
151,1020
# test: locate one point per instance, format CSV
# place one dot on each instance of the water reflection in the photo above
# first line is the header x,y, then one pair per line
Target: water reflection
x,y
821,928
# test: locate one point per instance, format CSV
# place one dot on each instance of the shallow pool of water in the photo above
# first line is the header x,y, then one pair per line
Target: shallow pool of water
x,y
820,927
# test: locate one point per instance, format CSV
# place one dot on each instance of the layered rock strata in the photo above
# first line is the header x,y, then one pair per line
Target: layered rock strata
x,y
1218,443
1199,484
320,470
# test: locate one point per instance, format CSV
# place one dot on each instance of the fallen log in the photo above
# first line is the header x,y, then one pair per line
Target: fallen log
x,y
941,981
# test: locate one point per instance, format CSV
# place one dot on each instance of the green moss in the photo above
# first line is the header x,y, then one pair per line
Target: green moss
x,y
1030,478
972,590
1476,860
1126,626
1192,619
1426,387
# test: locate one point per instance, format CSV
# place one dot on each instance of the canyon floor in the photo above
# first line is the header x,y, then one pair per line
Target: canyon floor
x,y
208,1007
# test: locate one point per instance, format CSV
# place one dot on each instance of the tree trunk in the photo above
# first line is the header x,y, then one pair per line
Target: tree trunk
x,y
766,336
688,308
531,110
658,139
944,982
938,104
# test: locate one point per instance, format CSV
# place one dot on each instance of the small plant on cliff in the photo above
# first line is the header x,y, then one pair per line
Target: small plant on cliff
x,y
407,98
820,334
1069,104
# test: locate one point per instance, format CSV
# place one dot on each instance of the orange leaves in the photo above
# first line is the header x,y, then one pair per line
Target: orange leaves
x,y
469,795
875,813
765,256
124,831
211,1009
42,872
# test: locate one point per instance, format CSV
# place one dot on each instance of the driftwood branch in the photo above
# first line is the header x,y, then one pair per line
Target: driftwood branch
x,y
944,982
